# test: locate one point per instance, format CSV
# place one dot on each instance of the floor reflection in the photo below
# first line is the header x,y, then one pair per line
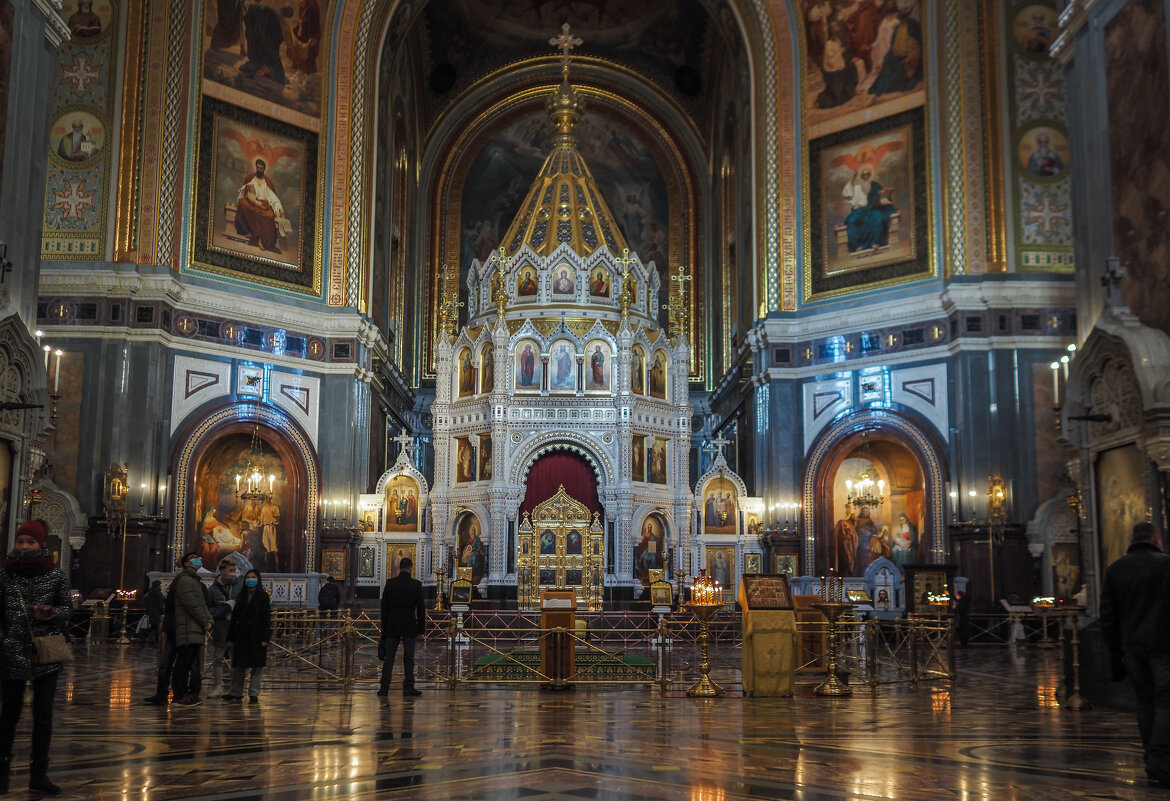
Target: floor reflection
x,y
995,735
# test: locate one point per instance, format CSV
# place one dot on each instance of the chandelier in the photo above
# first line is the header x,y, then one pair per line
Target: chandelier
x,y
250,484
861,489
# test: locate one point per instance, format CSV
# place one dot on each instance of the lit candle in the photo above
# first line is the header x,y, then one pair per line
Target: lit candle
x,y
1064,364
142,494
57,372
162,504
38,334
47,349
238,477
271,478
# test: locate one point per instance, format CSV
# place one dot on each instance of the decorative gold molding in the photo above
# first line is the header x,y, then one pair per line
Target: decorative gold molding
x,y
993,140
129,163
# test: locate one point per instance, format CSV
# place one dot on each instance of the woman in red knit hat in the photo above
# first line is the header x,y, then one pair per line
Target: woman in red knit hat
x,y
34,600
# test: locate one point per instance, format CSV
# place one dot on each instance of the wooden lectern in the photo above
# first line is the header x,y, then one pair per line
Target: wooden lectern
x,y
558,610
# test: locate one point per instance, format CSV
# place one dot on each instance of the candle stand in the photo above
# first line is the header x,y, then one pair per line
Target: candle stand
x,y
832,685
440,574
1075,701
706,599
704,686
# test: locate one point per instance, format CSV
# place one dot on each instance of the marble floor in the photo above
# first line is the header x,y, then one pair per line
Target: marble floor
x,y
997,734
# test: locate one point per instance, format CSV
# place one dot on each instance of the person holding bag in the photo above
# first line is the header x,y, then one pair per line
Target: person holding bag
x,y
248,634
34,607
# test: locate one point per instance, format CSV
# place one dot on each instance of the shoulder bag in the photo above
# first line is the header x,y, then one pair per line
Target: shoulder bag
x,y
50,647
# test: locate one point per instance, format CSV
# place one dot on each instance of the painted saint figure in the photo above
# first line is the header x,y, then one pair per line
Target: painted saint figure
x,y
259,213
868,223
597,369
527,366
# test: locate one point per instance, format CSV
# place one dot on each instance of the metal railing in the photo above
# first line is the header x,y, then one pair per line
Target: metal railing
x,y
612,648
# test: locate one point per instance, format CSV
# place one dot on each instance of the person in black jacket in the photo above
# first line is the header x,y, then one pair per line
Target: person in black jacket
x,y
248,634
1135,613
403,618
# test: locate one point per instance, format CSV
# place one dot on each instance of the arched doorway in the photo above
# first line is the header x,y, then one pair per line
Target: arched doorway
x,y
210,514
873,488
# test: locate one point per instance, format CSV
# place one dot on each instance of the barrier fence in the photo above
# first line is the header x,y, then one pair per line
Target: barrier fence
x,y
611,648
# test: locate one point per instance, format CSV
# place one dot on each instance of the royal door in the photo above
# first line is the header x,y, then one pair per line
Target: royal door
x,y
560,548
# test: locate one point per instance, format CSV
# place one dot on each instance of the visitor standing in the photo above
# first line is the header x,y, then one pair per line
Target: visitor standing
x,y
404,618
1135,614
192,622
221,597
248,635
35,602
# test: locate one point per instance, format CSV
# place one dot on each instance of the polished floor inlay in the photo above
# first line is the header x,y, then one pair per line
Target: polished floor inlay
x,y
996,735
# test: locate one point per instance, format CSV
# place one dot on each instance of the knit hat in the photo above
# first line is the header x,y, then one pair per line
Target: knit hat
x,y
34,529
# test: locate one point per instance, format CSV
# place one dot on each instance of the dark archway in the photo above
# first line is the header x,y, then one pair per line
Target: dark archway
x,y
551,470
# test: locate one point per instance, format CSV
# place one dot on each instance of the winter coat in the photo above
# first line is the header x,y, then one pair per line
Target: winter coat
x,y
156,606
191,613
1135,602
19,591
251,625
221,612
403,611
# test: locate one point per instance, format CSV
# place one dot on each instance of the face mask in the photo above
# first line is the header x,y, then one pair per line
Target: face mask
x,y
196,563
251,582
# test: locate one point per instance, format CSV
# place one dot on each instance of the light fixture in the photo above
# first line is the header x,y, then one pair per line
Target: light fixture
x,y
860,490
252,486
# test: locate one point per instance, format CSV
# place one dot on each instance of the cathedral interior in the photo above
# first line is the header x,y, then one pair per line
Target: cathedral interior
x,y
612,298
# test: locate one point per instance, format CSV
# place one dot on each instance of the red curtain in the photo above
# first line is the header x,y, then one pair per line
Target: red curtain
x,y
554,469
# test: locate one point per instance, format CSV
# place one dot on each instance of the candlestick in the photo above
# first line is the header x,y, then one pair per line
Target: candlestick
x,y
1055,384
162,503
47,349
57,371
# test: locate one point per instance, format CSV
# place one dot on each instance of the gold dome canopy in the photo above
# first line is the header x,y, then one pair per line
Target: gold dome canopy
x,y
564,204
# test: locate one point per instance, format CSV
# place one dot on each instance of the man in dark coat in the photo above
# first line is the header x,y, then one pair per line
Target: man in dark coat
x,y
403,618
1135,614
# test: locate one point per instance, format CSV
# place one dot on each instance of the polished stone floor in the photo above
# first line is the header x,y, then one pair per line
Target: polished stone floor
x,y
996,735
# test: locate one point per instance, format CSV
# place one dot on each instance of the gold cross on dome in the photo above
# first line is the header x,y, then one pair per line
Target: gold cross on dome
x,y
682,278
565,43
625,262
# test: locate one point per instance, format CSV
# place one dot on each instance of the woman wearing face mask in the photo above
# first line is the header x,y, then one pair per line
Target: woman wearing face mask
x,y
34,601
248,635
192,622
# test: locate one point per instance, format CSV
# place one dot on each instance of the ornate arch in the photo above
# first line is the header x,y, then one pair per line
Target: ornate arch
x,y
214,424
570,441
905,431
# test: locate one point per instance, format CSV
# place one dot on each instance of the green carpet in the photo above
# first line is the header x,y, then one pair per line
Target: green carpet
x,y
590,666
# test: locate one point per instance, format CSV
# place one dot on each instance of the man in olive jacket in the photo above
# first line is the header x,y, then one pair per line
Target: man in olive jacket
x,y
403,618
1135,618
192,622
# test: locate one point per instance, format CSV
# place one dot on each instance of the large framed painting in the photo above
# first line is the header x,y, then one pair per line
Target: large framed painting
x,y
562,366
721,564
638,457
598,367
395,553
367,556
651,548
261,529
256,199
402,512
864,60
266,54
719,507
473,550
656,470
637,370
466,374
485,457
464,460
868,202
333,563
528,366
658,373
1121,499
